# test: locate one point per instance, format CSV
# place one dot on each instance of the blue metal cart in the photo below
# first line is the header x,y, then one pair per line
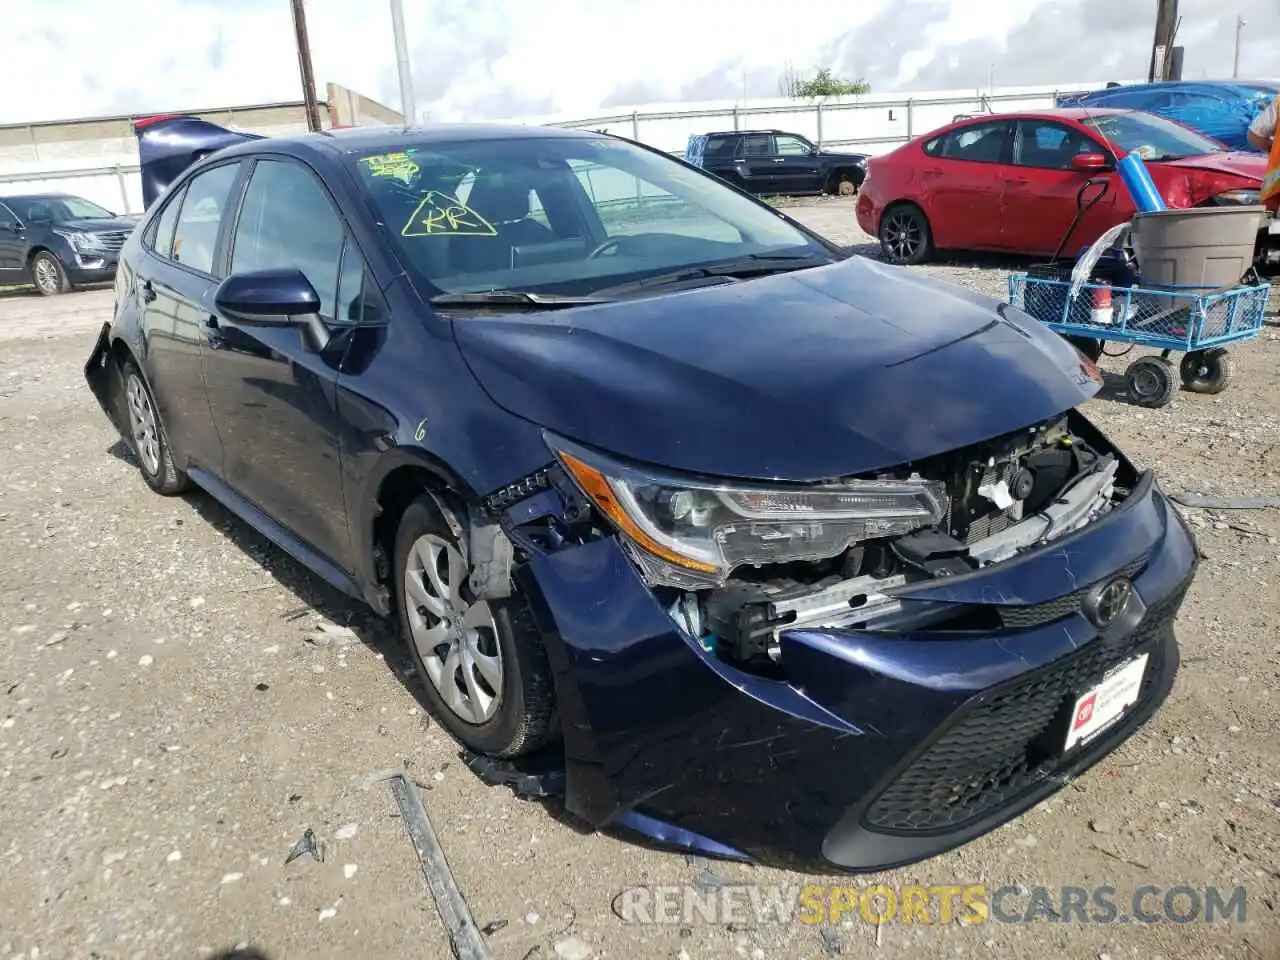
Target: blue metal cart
x,y
1190,320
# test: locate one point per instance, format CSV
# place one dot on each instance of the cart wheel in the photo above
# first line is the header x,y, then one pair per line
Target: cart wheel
x,y
1206,371
1151,381
1089,346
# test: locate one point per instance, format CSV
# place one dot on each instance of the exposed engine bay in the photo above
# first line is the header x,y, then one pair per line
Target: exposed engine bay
x,y
1000,498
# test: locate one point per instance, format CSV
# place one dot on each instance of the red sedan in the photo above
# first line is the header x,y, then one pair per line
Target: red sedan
x,y
1010,182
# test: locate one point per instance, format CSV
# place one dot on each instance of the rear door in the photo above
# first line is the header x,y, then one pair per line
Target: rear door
x,y
799,169
754,163
962,184
176,280
1041,191
272,393
12,246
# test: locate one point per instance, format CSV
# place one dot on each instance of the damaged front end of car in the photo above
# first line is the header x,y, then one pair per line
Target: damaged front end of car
x,y
854,674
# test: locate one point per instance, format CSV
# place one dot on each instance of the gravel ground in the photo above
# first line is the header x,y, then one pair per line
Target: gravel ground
x,y
173,716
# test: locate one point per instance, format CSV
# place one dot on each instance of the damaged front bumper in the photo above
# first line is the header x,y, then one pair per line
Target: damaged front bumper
x,y
868,750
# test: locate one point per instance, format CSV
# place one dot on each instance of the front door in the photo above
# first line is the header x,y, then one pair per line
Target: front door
x,y
273,394
799,169
755,163
1042,191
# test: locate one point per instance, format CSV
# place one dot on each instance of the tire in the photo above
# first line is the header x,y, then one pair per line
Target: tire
x,y
507,709
1089,346
1151,381
905,237
47,274
1206,371
146,434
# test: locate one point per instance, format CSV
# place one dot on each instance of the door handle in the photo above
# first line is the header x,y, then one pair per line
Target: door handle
x,y
148,292
779,160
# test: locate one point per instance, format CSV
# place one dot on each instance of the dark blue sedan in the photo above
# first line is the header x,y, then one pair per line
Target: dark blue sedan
x,y
775,552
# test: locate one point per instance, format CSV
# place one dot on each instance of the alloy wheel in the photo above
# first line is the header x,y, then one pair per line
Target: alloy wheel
x,y
143,424
455,635
46,275
903,236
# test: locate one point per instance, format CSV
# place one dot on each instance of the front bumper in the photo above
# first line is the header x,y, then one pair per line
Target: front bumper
x,y
875,750
91,267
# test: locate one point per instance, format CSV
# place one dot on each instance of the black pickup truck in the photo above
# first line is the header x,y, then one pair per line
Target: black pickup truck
x,y
776,162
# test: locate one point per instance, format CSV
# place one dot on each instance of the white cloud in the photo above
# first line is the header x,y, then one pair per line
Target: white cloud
x,y
500,58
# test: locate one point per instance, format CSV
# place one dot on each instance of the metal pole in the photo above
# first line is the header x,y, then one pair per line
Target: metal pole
x,y
1235,68
402,63
304,67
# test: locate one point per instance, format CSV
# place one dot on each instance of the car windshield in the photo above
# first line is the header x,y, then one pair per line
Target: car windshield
x,y
562,215
51,209
1154,138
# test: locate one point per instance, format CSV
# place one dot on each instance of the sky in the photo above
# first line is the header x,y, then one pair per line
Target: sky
x,y
498,59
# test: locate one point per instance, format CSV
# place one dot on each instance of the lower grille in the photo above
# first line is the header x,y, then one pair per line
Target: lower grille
x,y
1003,746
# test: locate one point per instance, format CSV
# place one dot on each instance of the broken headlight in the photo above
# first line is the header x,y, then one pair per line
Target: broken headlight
x,y
691,532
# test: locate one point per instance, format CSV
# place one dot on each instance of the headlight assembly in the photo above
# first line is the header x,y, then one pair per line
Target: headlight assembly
x,y
1243,198
692,532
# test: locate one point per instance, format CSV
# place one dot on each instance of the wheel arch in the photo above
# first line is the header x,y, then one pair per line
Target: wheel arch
x,y
401,476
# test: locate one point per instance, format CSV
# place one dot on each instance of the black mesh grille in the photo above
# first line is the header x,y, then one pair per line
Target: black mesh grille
x,y
1002,746
113,241
1036,615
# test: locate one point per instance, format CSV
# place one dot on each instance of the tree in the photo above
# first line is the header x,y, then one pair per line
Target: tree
x,y
821,84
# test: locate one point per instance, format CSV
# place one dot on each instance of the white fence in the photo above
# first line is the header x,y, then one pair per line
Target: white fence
x,y
873,123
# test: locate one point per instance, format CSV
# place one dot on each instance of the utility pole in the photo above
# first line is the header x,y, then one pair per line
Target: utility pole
x,y
304,67
1166,28
402,63
1235,67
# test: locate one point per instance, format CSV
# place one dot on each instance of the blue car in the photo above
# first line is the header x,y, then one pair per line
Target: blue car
x,y
1222,110
771,551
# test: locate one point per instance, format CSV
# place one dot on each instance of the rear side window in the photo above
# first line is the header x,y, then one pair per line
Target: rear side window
x,y
757,145
162,235
195,237
980,143
287,220
719,148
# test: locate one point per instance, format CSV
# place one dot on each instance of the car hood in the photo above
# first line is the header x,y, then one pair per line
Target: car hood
x,y
113,225
1236,163
811,375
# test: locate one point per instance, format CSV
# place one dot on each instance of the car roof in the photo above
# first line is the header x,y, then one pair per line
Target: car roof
x,y
39,196
360,139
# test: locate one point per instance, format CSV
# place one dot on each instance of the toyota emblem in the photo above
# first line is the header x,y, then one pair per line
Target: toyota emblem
x,y
1104,604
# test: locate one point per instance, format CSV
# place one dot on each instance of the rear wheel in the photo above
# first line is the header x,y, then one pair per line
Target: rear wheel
x,y
1206,371
481,662
47,274
905,237
147,437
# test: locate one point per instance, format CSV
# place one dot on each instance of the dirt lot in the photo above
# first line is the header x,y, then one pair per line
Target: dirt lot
x,y
171,721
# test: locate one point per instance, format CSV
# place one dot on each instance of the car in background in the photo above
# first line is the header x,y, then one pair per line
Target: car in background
x,y
57,240
1012,182
759,541
1221,110
773,162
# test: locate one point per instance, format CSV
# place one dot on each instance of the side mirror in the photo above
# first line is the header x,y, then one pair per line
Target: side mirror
x,y
277,297
1090,162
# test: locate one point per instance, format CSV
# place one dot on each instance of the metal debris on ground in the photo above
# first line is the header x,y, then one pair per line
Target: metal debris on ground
x,y
530,779
331,635
1225,503
308,844
493,926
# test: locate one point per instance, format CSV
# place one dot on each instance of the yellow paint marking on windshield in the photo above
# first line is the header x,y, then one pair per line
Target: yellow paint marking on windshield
x,y
441,215
398,166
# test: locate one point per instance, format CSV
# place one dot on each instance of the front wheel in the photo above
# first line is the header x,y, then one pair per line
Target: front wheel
x,y
48,275
1151,381
481,662
905,237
